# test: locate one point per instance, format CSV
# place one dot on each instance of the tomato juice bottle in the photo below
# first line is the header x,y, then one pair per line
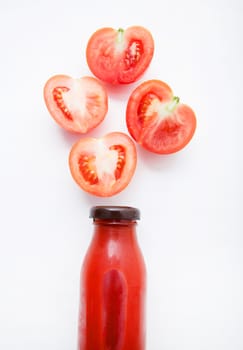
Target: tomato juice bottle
x,y
113,283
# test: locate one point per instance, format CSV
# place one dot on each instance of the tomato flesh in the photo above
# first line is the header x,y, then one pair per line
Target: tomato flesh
x,y
103,166
120,56
157,120
77,105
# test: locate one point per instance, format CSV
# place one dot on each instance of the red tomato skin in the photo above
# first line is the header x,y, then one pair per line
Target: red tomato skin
x,y
113,61
110,185
151,132
77,121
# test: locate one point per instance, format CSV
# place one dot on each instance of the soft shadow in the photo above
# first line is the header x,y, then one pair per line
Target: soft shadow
x,y
159,161
92,200
119,92
69,137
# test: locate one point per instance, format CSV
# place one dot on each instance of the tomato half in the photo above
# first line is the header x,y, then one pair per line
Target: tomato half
x,y
157,120
120,56
103,166
77,105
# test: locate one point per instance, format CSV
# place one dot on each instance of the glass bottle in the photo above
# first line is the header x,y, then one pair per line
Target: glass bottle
x,y
113,283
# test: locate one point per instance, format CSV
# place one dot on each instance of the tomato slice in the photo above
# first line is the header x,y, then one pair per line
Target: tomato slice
x,y
77,105
120,56
157,120
104,166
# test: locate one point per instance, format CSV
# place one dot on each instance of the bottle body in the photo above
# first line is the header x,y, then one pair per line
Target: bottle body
x,y
113,289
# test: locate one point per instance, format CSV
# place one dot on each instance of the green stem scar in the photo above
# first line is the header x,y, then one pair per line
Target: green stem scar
x,y
120,34
173,104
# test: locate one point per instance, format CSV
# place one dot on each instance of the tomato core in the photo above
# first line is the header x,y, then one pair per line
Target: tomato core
x,y
88,164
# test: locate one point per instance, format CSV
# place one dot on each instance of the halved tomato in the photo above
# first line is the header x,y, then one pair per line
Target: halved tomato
x,y
120,56
77,105
104,166
157,120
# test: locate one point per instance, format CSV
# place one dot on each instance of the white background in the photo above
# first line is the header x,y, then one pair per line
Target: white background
x,y
191,227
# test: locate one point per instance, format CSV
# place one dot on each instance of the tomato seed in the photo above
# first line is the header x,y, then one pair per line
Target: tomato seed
x,y
58,97
133,54
120,160
86,167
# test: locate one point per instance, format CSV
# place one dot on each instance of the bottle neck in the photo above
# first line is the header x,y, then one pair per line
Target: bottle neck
x,y
123,230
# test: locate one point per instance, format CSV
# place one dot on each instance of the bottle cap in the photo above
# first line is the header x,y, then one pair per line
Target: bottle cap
x,y
114,212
